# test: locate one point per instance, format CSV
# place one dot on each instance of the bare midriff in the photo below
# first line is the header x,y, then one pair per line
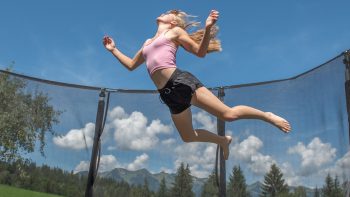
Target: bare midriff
x,y
161,77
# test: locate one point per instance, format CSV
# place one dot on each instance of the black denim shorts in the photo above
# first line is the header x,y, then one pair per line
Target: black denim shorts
x,y
178,91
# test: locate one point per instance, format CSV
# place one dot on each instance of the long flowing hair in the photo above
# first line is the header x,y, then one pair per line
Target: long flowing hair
x,y
183,20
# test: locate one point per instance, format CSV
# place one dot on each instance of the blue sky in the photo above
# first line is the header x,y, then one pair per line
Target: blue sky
x,y
261,41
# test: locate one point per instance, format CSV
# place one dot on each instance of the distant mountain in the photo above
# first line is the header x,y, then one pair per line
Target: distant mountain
x,y
138,177
309,192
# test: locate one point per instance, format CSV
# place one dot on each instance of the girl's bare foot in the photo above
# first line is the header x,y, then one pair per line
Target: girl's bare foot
x,y
225,147
279,122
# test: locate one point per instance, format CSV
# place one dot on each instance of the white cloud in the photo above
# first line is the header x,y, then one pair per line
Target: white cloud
x,y
248,151
169,142
340,169
107,163
344,162
156,127
314,156
110,162
247,148
74,139
199,156
167,170
205,120
291,178
139,162
260,164
117,113
82,166
131,132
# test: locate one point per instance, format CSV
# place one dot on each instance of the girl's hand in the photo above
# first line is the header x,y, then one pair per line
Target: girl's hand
x,y
108,43
212,18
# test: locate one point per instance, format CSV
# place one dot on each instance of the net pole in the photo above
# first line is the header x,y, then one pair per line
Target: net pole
x,y
98,132
221,132
347,84
346,61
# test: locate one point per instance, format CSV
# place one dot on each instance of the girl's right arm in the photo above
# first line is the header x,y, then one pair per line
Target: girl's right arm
x,y
129,63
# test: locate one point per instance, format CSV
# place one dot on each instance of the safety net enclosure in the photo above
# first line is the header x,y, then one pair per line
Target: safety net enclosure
x,y
112,142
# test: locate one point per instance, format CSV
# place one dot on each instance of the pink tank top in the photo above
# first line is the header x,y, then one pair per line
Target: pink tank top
x,y
160,54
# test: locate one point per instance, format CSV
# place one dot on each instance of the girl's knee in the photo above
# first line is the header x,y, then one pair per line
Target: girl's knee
x,y
187,138
230,115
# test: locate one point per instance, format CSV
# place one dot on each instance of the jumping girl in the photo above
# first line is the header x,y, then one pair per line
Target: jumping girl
x,y
180,89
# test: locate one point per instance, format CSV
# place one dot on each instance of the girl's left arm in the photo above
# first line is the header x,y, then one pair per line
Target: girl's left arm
x,y
190,45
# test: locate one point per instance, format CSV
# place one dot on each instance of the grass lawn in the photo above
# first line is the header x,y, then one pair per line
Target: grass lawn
x,y
8,191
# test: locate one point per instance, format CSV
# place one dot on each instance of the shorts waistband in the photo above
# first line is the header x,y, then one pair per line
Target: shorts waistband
x,y
172,77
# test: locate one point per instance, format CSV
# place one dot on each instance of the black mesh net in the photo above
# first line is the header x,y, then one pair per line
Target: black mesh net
x,y
140,146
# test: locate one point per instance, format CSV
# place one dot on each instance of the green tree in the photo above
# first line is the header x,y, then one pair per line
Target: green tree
x,y
145,191
346,187
25,118
327,189
237,186
136,191
183,183
299,192
210,188
317,192
163,191
338,192
274,184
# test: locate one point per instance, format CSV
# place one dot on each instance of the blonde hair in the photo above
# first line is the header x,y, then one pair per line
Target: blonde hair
x,y
182,19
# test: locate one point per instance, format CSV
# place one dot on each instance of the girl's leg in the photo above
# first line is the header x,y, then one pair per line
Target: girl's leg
x,y
183,123
205,99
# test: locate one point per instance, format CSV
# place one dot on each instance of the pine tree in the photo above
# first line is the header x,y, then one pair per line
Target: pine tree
x,y
338,192
136,191
210,188
327,189
183,183
237,186
300,192
346,188
332,187
317,193
188,182
162,192
145,191
273,183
